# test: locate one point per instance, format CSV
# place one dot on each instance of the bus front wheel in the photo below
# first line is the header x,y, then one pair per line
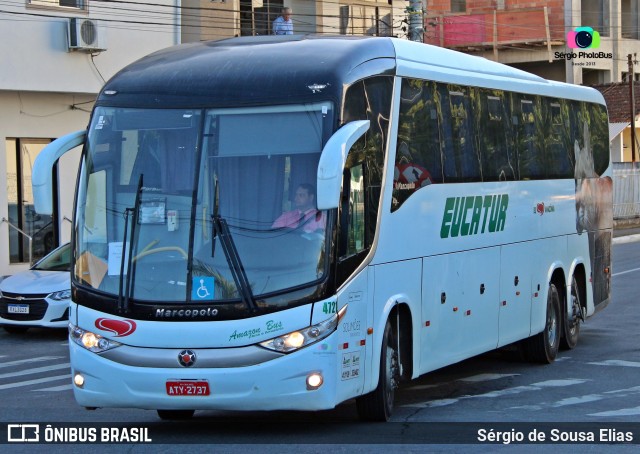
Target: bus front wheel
x,y
378,404
543,347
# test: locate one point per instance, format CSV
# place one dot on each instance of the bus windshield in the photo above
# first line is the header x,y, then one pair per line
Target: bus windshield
x,y
201,206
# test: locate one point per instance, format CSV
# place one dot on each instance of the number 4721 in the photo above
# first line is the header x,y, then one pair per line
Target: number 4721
x,y
330,307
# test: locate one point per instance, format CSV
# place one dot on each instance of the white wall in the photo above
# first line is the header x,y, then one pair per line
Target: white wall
x,y
46,91
37,57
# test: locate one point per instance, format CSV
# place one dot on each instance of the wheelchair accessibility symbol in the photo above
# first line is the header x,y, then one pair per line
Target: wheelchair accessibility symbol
x,y
202,288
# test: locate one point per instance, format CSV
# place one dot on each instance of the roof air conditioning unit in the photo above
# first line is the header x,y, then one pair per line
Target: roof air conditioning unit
x,y
86,35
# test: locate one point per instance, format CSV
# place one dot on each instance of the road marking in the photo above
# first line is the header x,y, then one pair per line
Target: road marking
x,y
68,387
577,400
616,362
622,412
30,360
500,393
559,383
633,390
34,382
486,377
614,394
35,370
625,272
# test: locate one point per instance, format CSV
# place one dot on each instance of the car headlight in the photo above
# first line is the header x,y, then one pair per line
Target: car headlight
x,y
93,342
61,295
295,340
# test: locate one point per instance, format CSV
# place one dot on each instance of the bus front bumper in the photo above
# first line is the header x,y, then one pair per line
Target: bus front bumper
x,y
278,384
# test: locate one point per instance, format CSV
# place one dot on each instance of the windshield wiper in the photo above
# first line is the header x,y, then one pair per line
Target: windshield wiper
x,y
123,297
233,258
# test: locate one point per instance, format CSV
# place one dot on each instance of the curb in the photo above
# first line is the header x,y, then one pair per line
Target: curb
x,y
626,239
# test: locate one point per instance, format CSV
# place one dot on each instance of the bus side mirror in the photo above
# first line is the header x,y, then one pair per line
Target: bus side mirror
x,y
41,176
332,161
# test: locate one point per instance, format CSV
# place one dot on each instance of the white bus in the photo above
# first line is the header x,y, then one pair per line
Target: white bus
x,y
436,206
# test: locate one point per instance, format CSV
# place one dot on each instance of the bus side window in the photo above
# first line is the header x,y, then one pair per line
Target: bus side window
x,y
418,159
498,164
529,155
352,220
462,162
559,156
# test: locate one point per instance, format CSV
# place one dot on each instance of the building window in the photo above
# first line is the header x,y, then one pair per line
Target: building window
x,y
21,154
77,4
458,6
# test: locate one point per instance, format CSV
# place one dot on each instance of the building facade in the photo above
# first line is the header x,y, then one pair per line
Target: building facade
x,y
220,19
535,35
56,56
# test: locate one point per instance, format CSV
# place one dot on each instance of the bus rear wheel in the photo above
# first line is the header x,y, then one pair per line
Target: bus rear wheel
x,y
378,404
543,347
572,318
174,415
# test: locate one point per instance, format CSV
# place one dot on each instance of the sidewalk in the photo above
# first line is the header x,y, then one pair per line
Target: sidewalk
x,y
626,235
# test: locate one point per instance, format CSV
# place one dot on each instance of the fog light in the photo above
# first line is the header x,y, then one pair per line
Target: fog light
x,y
78,380
314,381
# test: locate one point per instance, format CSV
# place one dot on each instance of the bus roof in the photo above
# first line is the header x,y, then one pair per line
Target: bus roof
x,y
293,69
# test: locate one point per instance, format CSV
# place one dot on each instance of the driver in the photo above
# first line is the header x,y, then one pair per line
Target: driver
x,y
305,213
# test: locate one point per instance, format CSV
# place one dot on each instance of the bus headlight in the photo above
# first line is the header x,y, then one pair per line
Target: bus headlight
x,y
301,338
93,342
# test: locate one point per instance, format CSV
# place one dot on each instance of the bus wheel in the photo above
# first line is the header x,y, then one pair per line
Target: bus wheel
x,y
572,319
378,404
175,414
543,347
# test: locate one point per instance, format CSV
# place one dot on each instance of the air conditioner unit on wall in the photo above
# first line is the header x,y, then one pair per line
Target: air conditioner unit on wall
x,y
86,35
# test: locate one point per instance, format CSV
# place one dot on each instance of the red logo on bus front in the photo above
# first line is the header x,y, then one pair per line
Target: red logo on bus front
x,y
120,328
540,208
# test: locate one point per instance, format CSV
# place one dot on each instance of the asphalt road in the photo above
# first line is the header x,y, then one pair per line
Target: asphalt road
x,y
595,386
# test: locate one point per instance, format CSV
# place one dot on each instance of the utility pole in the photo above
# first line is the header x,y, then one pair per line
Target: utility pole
x,y
416,20
633,108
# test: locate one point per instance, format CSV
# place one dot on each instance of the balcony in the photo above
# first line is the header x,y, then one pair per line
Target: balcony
x,y
478,32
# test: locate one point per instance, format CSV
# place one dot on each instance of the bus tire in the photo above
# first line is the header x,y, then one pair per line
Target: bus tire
x,y
543,347
378,404
572,318
173,415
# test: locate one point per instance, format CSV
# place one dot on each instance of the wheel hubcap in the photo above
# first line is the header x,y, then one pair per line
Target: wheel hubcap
x,y
392,371
552,322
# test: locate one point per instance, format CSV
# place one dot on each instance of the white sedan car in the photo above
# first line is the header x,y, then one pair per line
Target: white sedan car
x,y
40,296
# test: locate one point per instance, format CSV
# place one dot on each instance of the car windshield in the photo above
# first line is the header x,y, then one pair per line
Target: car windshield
x,y
58,260
198,206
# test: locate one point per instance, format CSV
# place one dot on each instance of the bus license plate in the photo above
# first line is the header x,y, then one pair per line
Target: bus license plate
x,y
187,388
18,308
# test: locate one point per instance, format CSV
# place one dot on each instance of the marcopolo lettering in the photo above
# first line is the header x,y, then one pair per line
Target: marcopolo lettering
x,y
186,313
474,215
